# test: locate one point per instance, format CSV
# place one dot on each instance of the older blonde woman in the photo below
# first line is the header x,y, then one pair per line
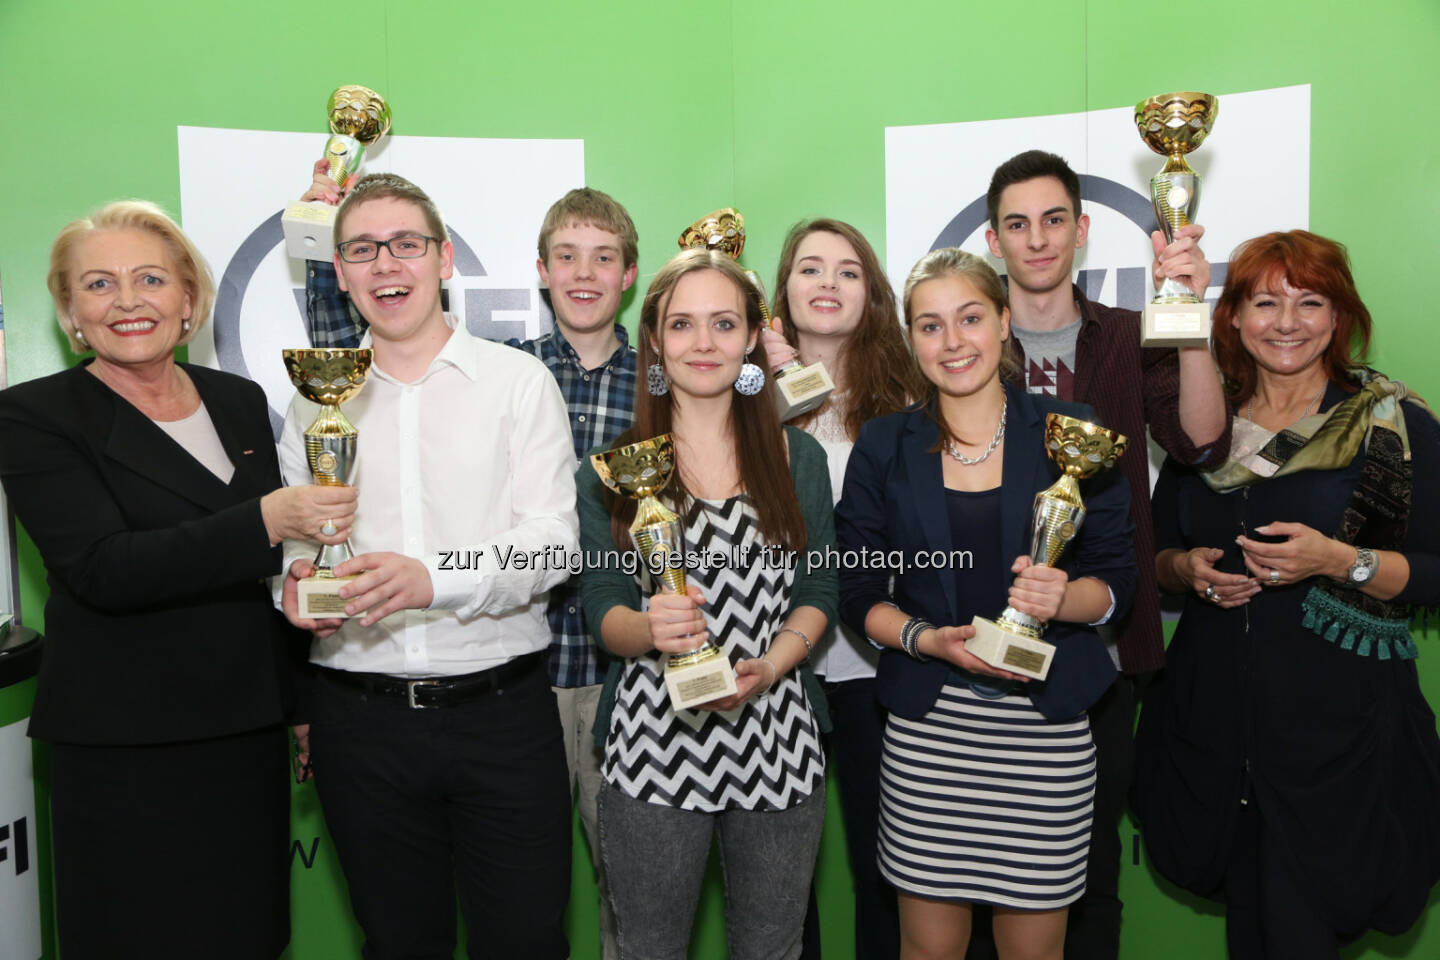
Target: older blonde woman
x,y
153,493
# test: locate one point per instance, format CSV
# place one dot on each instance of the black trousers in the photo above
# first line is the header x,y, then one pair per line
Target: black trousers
x,y
174,850
469,799
1092,930
854,746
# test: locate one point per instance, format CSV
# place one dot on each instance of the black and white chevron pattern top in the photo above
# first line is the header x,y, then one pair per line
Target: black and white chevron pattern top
x,y
765,755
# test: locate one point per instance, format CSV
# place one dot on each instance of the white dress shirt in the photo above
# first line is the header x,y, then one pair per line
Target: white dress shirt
x,y
473,460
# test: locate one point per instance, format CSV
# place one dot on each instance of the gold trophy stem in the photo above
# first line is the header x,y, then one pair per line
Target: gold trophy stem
x,y
1066,490
1176,163
331,422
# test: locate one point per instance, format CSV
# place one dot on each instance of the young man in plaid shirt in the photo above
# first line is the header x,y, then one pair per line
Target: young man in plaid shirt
x,y
588,251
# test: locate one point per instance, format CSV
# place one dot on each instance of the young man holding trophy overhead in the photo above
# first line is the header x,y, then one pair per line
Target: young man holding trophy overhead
x,y
435,741
1077,350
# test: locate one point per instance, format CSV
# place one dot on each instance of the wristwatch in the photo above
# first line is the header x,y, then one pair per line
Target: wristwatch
x,y
1362,571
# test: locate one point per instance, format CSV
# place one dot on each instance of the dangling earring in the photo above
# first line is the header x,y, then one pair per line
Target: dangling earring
x,y
752,379
655,380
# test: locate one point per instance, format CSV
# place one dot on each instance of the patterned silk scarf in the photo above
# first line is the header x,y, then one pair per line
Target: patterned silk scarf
x,y
1369,423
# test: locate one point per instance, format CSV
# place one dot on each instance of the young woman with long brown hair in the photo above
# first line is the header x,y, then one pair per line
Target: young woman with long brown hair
x,y
834,305
749,767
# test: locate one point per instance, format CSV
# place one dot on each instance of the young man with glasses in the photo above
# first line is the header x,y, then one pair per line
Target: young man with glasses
x,y
434,738
588,251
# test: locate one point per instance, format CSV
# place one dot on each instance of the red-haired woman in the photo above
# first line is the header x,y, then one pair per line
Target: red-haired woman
x,y
1289,764
834,305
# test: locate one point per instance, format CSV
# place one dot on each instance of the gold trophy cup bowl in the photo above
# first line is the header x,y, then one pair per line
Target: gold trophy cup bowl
x,y
798,389
1173,125
640,471
358,117
328,377
1013,641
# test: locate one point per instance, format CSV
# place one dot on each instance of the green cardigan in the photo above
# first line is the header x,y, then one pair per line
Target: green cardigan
x,y
607,586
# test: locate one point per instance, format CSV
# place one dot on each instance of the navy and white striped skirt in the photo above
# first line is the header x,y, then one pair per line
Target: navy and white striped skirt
x,y
986,801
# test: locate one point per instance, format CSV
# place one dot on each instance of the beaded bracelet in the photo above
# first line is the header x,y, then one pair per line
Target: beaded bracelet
x,y
910,637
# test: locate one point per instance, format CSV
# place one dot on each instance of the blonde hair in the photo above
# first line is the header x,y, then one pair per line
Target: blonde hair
x,y
596,208
131,215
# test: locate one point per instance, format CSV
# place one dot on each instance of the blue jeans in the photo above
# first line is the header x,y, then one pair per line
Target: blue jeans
x,y
655,859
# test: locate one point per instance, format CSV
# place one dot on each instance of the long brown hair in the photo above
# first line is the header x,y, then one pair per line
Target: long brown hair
x,y
879,375
1309,262
755,432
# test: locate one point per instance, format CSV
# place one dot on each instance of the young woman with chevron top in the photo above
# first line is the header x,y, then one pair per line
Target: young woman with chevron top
x,y
747,768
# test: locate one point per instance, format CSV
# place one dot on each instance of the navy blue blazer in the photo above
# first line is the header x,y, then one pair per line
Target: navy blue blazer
x,y
894,499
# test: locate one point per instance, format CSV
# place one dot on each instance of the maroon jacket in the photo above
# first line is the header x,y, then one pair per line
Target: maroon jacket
x,y
1107,358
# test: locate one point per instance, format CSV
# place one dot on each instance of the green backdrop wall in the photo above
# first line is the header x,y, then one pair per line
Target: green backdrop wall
x,y
777,108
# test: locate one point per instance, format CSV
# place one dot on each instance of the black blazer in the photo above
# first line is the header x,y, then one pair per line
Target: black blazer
x,y
160,624
894,499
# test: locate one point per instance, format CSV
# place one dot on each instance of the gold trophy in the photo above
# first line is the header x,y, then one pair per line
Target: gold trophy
x,y
640,471
328,377
1173,124
1012,642
359,117
799,389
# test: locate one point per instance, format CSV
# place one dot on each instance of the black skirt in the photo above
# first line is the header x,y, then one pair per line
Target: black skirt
x,y
173,850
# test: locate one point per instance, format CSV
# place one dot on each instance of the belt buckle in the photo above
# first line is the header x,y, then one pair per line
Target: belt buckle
x,y
410,686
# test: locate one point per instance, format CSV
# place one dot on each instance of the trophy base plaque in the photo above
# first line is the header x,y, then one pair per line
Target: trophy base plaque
x,y
1006,650
691,684
309,230
1176,325
801,389
320,598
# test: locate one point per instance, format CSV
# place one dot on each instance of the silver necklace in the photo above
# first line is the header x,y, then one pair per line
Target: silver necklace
x,y
954,450
1250,413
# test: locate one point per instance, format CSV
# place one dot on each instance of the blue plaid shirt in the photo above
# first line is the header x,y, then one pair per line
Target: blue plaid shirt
x,y
601,404
332,318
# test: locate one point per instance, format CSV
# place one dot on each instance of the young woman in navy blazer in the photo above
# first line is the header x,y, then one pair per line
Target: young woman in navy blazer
x,y
987,780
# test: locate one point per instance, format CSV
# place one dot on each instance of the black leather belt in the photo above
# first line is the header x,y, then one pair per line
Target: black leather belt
x,y
432,692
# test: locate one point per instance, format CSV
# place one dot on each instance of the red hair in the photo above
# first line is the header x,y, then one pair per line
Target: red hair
x,y
1307,261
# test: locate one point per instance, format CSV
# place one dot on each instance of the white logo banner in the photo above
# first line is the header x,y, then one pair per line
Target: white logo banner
x,y
1254,169
235,183
19,870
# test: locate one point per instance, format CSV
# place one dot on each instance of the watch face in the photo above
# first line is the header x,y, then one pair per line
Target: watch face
x,y
1364,567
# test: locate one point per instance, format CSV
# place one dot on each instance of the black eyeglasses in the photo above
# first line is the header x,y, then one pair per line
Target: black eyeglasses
x,y
401,248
